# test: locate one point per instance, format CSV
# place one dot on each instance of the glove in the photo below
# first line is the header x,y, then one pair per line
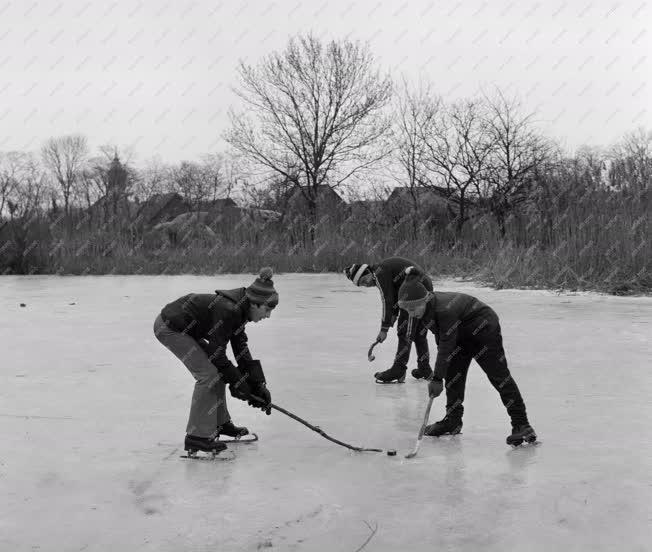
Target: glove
x,y
435,387
382,336
253,371
240,390
260,390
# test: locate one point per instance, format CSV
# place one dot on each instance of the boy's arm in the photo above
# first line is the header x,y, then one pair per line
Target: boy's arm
x,y
385,285
447,346
215,347
240,346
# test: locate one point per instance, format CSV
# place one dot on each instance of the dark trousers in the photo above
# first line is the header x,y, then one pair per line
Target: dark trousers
x,y
405,343
484,343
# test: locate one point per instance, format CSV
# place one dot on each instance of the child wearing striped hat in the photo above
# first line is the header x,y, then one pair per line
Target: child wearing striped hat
x,y
387,276
197,328
465,329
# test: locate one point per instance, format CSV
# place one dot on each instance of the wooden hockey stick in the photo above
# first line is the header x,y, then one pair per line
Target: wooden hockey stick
x,y
317,429
370,354
422,430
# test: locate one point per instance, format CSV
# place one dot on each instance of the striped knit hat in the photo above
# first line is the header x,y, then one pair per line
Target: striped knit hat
x,y
356,271
262,291
412,292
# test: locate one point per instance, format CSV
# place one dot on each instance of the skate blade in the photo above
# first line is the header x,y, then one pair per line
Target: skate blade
x,y
399,380
525,444
249,438
210,457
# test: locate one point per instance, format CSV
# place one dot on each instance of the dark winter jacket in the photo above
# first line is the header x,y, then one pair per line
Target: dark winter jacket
x,y
455,318
219,318
390,274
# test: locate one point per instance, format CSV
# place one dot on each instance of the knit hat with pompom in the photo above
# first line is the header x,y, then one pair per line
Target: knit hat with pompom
x,y
412,292
262,291
356,271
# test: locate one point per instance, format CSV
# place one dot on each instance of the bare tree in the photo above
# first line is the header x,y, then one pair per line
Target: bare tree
x,y
459,145
417,112
154,178
190,181
24,205
93,181
10,167
65,157
517,151
549,195
220,173
590,163
314,114
29,193
631,166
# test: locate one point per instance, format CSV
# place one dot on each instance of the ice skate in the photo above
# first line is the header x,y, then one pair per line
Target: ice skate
x,y
395,374
422,372
193,444
238,434
521,433
230,430
446,426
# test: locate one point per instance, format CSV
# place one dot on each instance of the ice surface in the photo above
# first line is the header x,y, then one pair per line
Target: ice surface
x,y
93,412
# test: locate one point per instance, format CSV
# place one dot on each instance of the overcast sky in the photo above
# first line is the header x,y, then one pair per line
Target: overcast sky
x,y
156,75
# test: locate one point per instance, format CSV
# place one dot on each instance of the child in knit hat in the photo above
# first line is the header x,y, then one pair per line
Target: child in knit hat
x,y
197,328
387,276
464,328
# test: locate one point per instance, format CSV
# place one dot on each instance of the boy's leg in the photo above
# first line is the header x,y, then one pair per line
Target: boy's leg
x,y
208,399
222,410
490,355
423,353
455,384
404,340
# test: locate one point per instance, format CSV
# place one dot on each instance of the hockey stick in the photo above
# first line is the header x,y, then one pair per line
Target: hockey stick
x,y
318,429
422,430
370,354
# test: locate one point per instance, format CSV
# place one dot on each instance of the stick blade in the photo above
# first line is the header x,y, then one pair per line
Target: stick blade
x,y
411,454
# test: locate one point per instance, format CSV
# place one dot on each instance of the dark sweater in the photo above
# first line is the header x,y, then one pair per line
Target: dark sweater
x,y
390,274
219,318
453,318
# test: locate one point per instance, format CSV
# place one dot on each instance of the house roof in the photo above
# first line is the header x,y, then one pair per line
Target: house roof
x,y
295,193
100,204
427,198
407,191
219,203
157,204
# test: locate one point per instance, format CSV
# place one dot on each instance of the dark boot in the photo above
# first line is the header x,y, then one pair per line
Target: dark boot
x,y
445,426
391,375
520,433
422,372
230,430
193,443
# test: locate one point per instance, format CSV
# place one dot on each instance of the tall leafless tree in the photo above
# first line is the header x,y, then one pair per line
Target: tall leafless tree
x,y
64,157
154,177
189,181
459,145
11,164
631,166
517,151
313,113
218,172
416,115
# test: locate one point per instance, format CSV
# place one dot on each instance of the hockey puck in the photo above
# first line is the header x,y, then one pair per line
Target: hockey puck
x,y
391,452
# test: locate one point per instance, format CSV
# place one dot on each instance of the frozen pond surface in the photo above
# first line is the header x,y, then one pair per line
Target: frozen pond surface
x,y
93,412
